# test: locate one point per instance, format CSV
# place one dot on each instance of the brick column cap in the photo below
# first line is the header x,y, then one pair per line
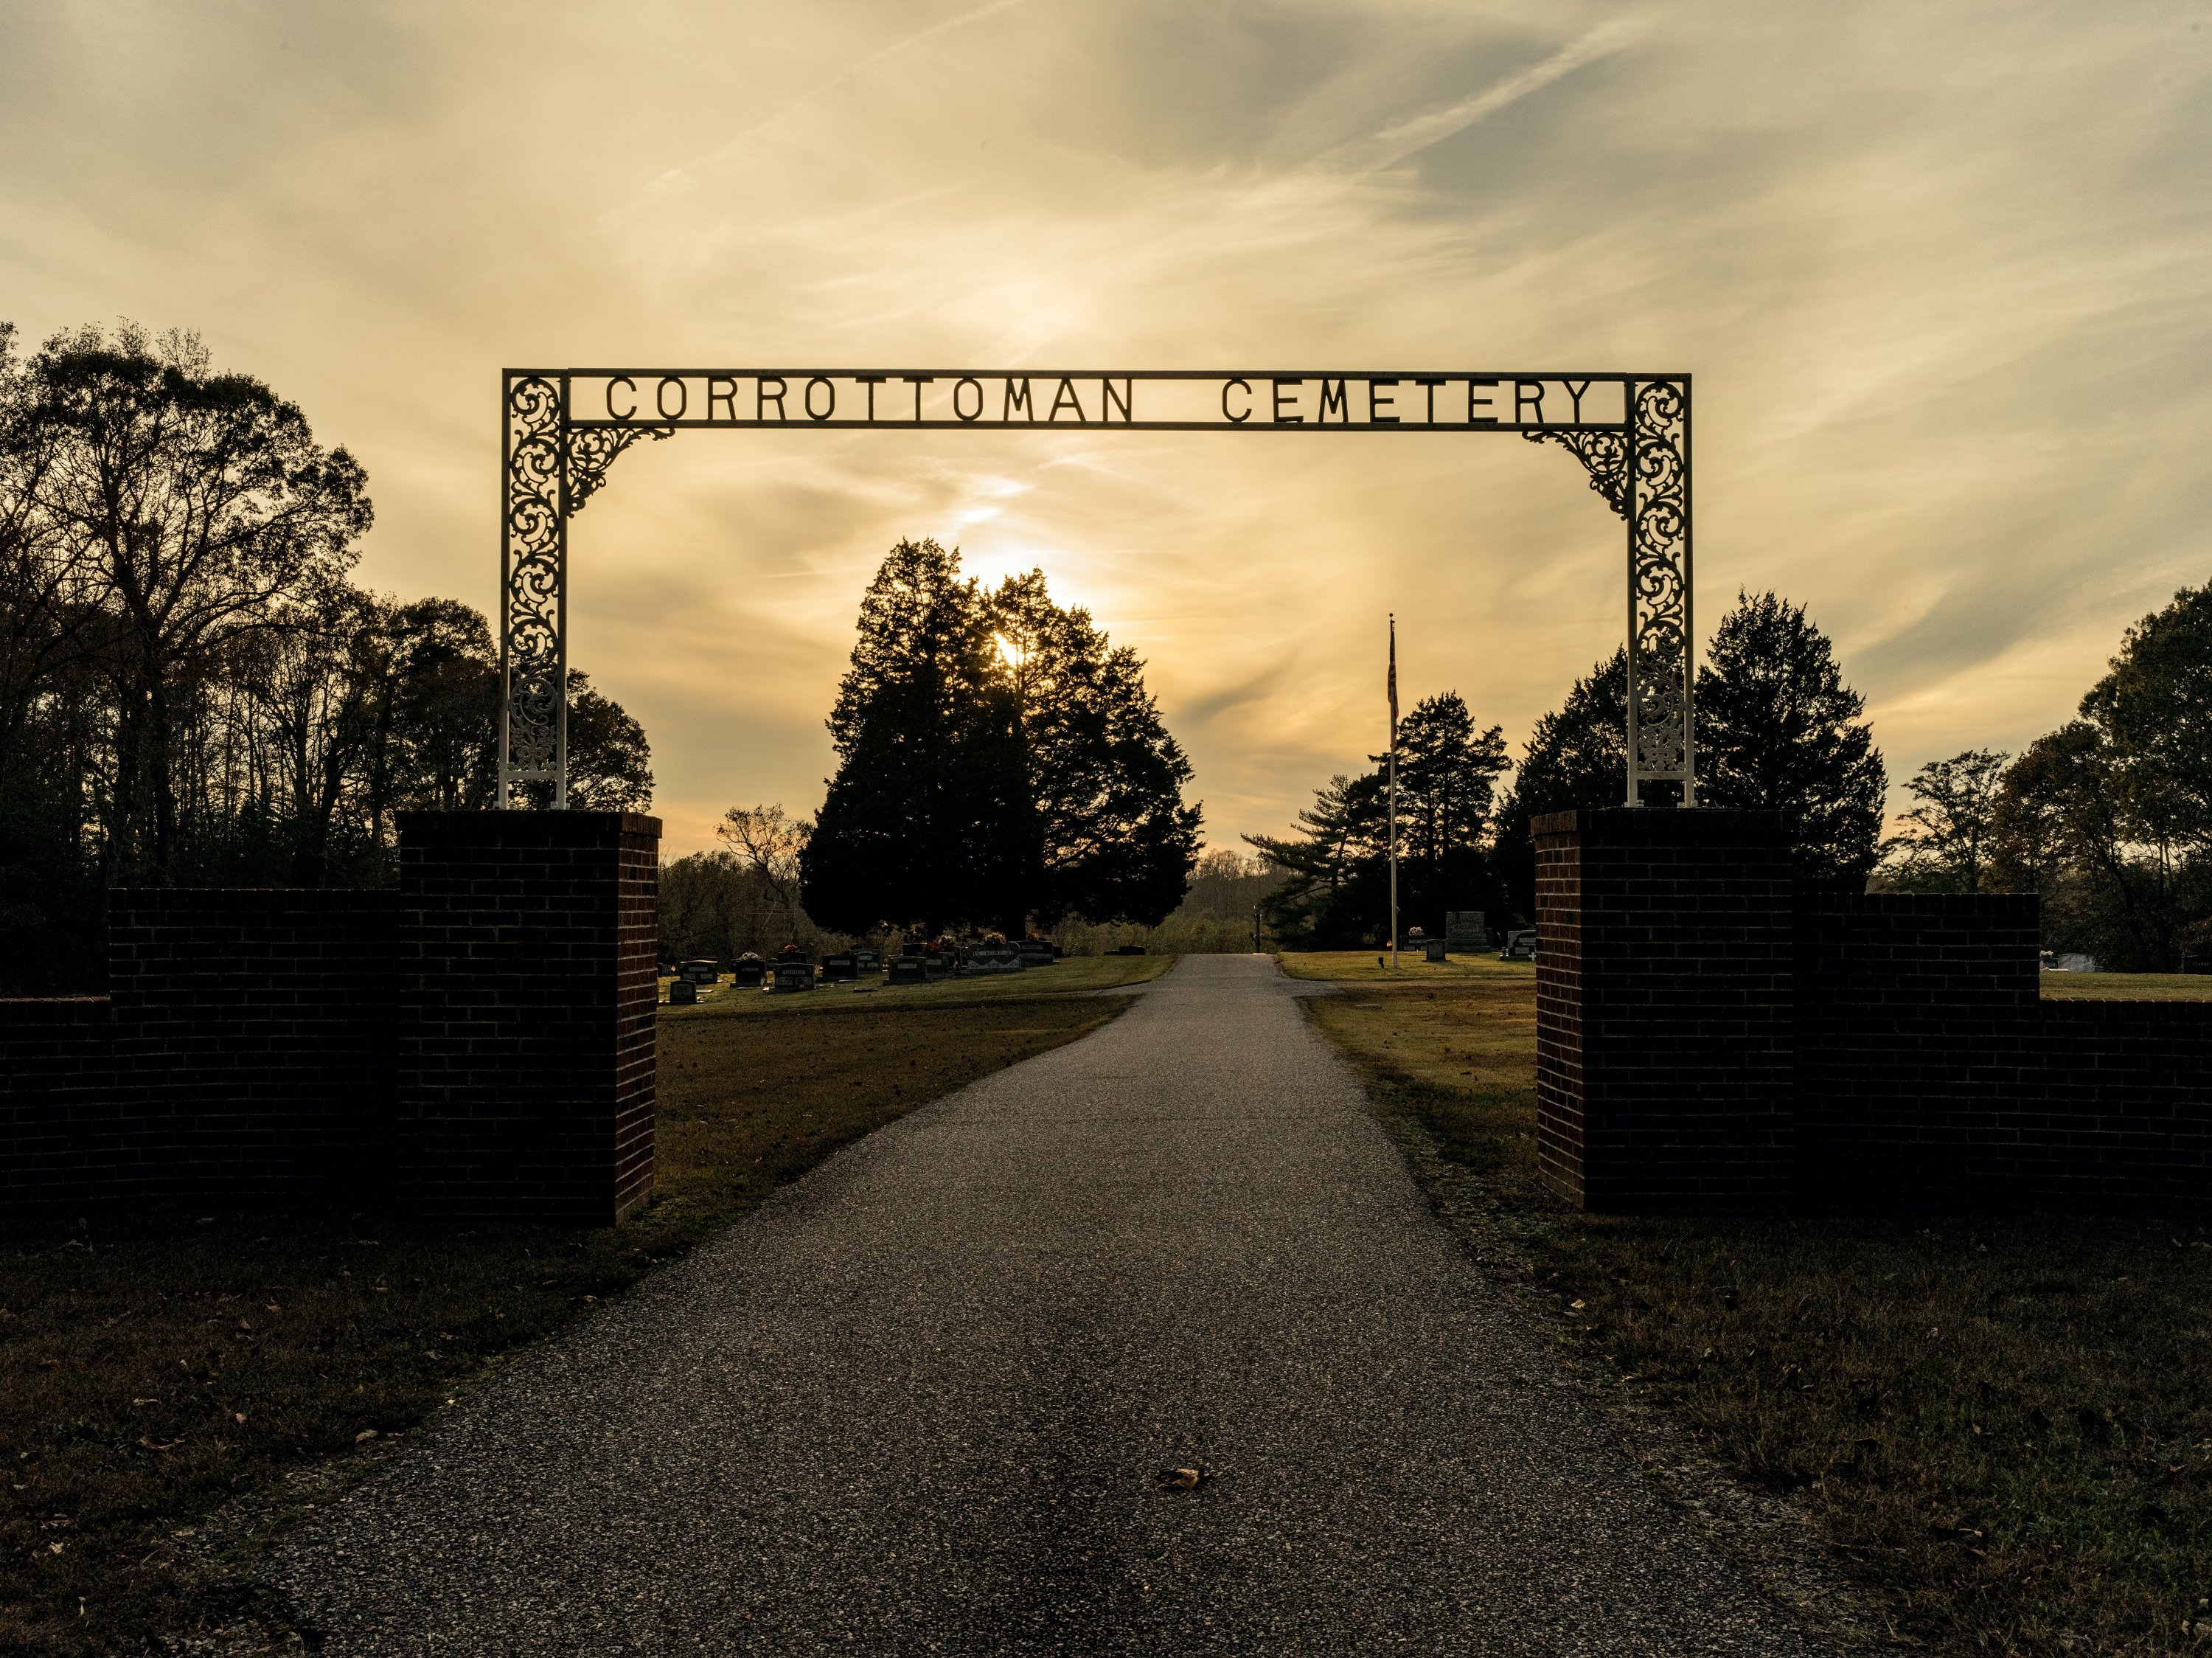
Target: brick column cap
x,y
516,827
1659,825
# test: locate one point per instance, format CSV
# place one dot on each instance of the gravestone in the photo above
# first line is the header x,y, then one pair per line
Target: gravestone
x,y
2196,964
1036,952
936,964
992,959
749,970
792,976
683,993
840,969
867,963
697,973
1464,932
1433,949
1126,949
1519,946
910,970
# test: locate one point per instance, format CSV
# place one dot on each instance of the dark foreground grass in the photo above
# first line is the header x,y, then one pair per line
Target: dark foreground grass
x,y
156,1369
2001,1428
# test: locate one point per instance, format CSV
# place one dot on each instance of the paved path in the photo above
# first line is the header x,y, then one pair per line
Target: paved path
x,y
916,1404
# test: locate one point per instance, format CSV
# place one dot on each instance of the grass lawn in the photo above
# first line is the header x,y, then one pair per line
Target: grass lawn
x,y
2128,987
2000,1428
1070,973
159,1368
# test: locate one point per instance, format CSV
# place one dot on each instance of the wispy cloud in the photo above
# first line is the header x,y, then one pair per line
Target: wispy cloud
x,y
1396,143
678,178
1953,364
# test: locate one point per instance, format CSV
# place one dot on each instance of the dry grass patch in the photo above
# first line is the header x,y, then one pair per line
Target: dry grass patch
x,y
157,1367
2002,1427
2127,987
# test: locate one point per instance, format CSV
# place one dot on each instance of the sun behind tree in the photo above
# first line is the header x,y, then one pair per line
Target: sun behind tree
x,y
1001,764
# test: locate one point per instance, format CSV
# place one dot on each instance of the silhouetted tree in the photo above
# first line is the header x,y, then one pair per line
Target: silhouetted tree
x,y
191,690
1947,844
204,499
983,785
2109,818
1576,759
1335,893
1778,729
1115,841
907,834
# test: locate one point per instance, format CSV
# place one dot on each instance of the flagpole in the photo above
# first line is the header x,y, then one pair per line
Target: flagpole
x,y
1394,792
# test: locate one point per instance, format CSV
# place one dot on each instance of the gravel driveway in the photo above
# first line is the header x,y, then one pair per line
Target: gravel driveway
x,y
917,1405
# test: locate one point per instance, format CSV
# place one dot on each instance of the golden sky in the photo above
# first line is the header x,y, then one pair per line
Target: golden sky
x,y
1941,273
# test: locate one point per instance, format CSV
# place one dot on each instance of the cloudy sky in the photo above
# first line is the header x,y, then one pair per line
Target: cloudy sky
x,y
1941,273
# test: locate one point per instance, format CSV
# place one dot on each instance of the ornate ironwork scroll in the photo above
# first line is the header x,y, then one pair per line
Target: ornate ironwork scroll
x,y
1643,474
1631,432
533,597
552,468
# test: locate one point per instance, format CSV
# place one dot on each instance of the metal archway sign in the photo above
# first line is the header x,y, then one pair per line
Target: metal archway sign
x,y
564,428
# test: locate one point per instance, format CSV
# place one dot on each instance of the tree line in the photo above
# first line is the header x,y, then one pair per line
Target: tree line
x,y
1776,728
193,691
2108,819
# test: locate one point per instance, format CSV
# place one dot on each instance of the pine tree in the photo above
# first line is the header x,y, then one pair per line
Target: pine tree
x,y
1115,840
1778,729
895,841
1000,762
1336,886
1576,760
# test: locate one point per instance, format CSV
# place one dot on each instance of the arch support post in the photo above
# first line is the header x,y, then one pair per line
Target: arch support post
x,y
1662,735
549,469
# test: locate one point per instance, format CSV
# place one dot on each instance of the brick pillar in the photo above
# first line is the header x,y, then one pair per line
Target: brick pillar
x,y
526,992
1664,1009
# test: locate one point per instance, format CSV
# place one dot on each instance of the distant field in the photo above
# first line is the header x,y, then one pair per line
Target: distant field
x,y
2000,1427
2128,987
1359,967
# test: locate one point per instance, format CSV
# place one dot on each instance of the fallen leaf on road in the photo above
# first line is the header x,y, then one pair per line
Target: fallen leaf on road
x,y
1181,1480
366,1433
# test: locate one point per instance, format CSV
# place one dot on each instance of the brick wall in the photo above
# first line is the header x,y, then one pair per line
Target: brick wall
x,y
61,1122
1916,1038
2127,1106
1664,1024
244,1052
1931,1074
480,1042
1706,1040
526,993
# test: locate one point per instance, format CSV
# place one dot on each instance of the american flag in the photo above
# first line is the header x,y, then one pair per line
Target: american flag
x,y
1394,676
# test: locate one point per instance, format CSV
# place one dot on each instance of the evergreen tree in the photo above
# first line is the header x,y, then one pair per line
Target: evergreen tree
x,y
1335,887
1115,841
920,727
1335,892
1576,760
1000,762
1778,729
